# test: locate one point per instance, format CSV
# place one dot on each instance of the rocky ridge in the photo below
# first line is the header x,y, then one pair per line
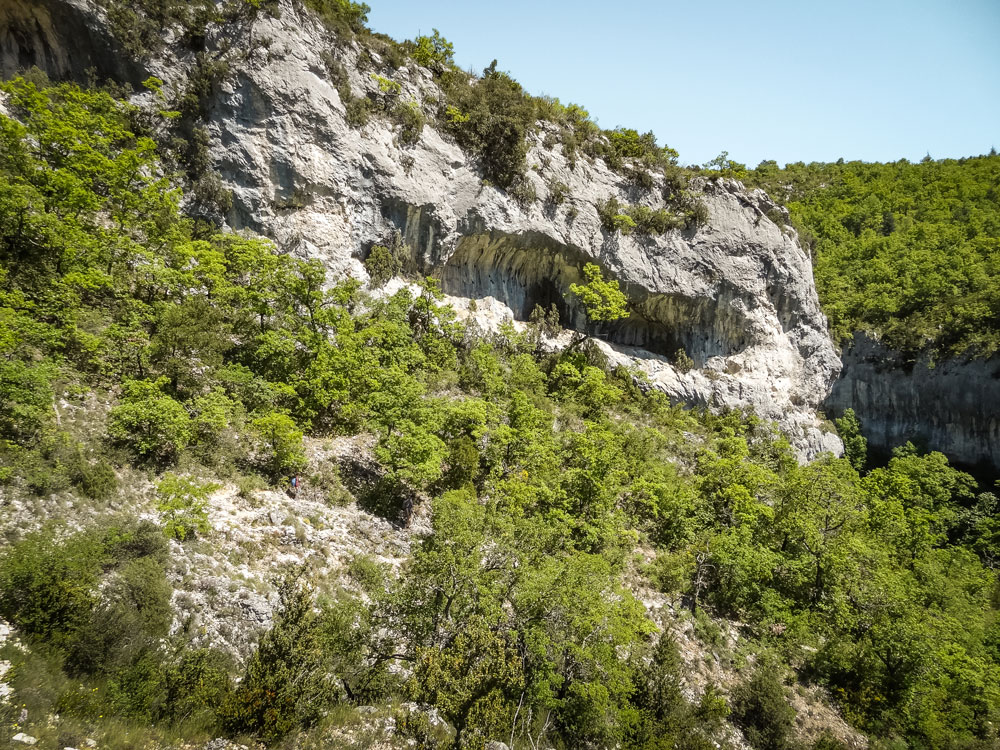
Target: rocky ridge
x,y
735,294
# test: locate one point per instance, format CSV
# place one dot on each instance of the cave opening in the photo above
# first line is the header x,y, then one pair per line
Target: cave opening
x,y
524,276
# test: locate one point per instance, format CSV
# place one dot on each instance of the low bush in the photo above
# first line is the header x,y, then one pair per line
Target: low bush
x,y
760,708
381,264
410,119
48,588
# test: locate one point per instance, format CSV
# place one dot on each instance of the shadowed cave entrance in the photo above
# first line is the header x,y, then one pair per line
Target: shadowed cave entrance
x,y
525,271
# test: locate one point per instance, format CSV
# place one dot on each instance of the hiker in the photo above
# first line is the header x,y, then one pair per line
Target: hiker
x,y
295,485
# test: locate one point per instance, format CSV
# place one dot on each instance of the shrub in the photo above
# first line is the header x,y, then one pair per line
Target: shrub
x,y
247,485
327,480
622,223
279,450
491,120
213,413
760,708
558,192
381,265
47,590
627,219
284,685
181,503
132,615
653,221
386,85
134,690
682,362
523,191
463,463
134,540
195,685
358,110
410,120
368,574
97,480
153,425
696,215
640,176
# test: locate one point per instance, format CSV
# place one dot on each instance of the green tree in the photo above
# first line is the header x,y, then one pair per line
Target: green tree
x,y
283,685
182,503
603,301
855,444
761,708
279,445
155,426
433,51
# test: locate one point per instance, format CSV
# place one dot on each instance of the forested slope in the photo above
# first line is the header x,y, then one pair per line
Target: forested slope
x,y
907,251
575,562
213,358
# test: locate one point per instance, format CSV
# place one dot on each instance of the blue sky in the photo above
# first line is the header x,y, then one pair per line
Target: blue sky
x,y
810,81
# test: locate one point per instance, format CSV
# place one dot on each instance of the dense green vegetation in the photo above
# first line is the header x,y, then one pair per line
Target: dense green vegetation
x,y
217,355
910,252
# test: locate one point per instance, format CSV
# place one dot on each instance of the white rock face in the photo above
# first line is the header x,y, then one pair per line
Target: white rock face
x,y
736,294
5,689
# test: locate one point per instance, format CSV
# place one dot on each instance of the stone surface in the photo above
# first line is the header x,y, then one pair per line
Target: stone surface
x,y
65,38
952,406
5,689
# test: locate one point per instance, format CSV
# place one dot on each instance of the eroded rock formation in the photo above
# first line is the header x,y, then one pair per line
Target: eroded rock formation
x,y
952,406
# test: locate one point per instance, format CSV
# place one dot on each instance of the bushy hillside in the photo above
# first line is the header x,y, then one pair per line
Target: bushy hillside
x,y
212,357
910,252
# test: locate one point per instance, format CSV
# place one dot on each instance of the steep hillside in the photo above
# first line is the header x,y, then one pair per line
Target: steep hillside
x,y
908,269
502,533
331,146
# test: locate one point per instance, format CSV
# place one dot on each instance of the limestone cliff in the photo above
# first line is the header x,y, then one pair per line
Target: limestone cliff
x,y
952,406
736,294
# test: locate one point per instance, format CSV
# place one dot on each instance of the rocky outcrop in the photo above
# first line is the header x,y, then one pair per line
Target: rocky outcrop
x,y
952,406
735,294
68,39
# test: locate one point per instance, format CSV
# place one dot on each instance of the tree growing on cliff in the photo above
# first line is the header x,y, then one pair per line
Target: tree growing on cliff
x,y
602,300
855,444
